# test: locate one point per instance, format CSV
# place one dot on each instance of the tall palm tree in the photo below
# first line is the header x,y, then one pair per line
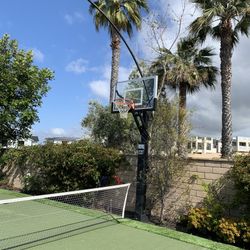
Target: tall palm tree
x,y
188,69
224,20
124,14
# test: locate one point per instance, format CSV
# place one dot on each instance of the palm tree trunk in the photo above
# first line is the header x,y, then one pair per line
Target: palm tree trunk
x,y
226,76
182,147
115,45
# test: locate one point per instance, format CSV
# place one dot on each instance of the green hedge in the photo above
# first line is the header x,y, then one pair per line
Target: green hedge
x,y
55,168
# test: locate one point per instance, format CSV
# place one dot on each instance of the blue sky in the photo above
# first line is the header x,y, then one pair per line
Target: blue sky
x,y
62,35
63,38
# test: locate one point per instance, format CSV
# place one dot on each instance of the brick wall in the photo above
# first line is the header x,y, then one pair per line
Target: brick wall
x,y
186,191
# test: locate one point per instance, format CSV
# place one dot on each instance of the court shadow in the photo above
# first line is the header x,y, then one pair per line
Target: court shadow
x,y
26,241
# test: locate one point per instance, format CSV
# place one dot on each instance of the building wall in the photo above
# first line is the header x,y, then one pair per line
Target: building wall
x,y
20,143
203,145
206,145
241,144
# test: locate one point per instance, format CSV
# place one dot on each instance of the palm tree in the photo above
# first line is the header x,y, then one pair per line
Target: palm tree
x,y
124,14
188,69
224,20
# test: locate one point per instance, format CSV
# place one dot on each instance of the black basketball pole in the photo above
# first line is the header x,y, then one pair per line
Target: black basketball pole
x,y
141,119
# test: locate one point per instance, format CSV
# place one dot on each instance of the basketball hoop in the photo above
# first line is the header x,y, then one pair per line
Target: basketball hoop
x,y
123,106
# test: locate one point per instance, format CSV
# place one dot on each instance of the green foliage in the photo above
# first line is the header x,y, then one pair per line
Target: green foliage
x,y
145,68
109,129
200,219
235,13
225,215
56,168
228,230
3,179
240,174
124,15
202,222
165,166
218,199
22,86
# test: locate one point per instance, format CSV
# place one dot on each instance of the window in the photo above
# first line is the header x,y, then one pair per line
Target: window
x,y
209,138
189,145
234,143
208,146
193,145
200,145
242,144
248,144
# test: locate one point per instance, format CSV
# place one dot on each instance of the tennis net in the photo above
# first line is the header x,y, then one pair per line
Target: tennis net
x,y
33,220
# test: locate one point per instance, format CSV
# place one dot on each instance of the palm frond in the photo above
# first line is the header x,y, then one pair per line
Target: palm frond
x,y
203,57
215,13
190,65
243,25
124,14
200,28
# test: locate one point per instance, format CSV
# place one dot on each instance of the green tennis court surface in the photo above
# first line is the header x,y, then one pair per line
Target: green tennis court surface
x,y
48,225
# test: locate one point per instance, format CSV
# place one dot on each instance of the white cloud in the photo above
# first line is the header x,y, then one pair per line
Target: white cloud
x,y
73,18
38,55
124,73
101,87
78,66
57,131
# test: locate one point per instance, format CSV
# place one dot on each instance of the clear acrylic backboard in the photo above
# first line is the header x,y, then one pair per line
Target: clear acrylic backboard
x,y
141,91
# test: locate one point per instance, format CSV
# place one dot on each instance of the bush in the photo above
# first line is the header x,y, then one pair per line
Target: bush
x,y
227,230
217,219
240,174
200,219
56,168
202,222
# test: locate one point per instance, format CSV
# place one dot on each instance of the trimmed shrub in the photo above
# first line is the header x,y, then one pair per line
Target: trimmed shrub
x,y
56,168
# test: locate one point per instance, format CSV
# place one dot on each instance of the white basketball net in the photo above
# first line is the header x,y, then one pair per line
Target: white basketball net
x,y
123,107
